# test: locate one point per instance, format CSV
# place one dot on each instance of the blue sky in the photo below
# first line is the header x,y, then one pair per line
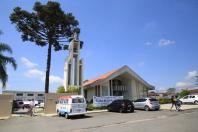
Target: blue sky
x,y
156,38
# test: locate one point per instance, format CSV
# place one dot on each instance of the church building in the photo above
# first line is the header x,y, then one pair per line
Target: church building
x,y
121,82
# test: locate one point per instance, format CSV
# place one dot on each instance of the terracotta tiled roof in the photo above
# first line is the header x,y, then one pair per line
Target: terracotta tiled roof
x,y
107,75
193,91
102,77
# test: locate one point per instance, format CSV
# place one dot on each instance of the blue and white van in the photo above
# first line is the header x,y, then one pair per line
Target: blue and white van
x,y
71,105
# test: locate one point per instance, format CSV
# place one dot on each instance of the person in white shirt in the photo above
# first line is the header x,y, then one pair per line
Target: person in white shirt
x,y
32,107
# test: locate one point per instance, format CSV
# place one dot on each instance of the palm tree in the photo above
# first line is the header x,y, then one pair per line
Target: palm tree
x,y
4,60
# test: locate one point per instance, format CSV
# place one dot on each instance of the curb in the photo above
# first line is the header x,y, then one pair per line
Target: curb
x,y
96,111
4,118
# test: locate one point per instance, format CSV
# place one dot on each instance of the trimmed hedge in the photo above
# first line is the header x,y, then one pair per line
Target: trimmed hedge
x,y
164,100
90,107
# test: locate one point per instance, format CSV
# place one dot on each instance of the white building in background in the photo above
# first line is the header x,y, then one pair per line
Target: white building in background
x,y
26,95
73,68
121,82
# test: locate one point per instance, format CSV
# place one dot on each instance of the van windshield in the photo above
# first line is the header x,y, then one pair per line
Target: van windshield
x,y
78,100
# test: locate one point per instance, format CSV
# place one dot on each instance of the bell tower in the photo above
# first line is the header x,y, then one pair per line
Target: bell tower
x,y
73,67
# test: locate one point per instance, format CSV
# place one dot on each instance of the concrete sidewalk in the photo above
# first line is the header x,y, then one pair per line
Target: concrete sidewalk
x,y
183,106
163,107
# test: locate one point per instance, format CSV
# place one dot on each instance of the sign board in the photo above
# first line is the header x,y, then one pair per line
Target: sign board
x,y
104,100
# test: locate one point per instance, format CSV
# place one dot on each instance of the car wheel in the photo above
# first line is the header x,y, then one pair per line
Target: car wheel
x,y
120,110
109,109
131,110
59,114
196,102
146,108
157,109
66,116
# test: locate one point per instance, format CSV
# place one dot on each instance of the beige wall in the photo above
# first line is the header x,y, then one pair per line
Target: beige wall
x,y
6,105
90,93
50,101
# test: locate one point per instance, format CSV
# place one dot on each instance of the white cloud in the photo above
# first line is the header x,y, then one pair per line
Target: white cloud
x,y
28,63
191,75
166,42
56,79
148,43
182,84
34,73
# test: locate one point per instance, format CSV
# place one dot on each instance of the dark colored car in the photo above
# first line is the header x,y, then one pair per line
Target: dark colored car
x,y
121,105
17,104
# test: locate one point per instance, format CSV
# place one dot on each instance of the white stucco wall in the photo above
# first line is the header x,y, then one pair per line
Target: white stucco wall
x,y
104,88
90,93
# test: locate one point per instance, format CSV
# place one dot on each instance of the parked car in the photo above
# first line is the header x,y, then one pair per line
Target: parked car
x,y
147,104
121,105
29,101
17,104
71,106
190,99
41,105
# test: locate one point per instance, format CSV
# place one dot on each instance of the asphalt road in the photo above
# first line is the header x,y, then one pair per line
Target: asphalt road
x,y
139,121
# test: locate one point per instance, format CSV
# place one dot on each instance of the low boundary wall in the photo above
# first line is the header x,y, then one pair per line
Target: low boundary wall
x,y
6,101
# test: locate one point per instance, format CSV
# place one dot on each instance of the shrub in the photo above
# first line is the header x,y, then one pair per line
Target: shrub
x,y
164,100
60,89
90,107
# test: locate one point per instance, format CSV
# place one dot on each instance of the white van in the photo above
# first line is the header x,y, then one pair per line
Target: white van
x,y
190,99
71,105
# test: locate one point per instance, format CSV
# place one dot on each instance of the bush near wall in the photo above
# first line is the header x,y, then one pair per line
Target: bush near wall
x,y
164,100
90,107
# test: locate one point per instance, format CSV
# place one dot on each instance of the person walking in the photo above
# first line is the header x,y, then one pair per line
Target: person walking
x,y
173,101
32,106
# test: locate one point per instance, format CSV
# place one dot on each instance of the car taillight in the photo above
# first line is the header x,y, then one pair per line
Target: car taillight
x,y
149,102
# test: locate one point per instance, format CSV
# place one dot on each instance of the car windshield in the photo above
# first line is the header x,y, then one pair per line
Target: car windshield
x,y
127,102
153,99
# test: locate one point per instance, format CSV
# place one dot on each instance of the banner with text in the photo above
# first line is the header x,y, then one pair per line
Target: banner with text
x,y
104,100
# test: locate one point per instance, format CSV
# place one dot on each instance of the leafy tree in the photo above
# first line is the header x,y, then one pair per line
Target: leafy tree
x,y
4,60
47,25
72,89
184,93
60,89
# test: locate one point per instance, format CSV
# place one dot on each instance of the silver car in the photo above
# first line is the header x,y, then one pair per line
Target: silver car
x,y
147,104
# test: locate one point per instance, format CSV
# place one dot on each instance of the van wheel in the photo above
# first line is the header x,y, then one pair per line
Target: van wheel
x,y
196,102
59,114
108,108
66,116
146,108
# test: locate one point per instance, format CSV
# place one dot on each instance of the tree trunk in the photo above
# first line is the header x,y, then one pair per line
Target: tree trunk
x,y
48,68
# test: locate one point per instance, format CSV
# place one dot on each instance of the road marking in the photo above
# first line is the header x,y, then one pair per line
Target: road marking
x,y
122,124
119,123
